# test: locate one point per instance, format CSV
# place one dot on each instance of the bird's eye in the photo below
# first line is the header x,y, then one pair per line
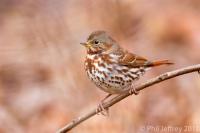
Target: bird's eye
x,y
96,42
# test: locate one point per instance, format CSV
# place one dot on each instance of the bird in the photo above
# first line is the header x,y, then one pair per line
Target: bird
x,y
112,68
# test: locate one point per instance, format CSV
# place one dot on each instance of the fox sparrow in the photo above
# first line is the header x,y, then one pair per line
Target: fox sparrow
x,y
112,68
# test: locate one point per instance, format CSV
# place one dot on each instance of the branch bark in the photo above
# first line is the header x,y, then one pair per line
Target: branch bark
x,y
158,79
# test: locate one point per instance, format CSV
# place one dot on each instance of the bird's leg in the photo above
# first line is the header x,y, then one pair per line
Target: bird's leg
x,y
132,90
100,107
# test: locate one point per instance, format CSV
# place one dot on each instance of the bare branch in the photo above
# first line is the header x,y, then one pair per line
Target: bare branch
x,y
118,98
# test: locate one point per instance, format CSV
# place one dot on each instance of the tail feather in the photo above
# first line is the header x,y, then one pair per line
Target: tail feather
x,y
158,63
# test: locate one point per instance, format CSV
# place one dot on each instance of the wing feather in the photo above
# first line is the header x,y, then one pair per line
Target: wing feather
x,y
132,60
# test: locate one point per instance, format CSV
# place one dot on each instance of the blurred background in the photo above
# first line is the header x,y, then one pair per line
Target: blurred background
x,y
43,85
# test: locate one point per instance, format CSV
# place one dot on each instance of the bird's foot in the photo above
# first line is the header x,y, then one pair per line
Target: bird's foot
x,y
132,90
102,110
100,107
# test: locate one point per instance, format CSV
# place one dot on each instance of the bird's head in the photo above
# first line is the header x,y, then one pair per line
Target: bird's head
x,y
100,42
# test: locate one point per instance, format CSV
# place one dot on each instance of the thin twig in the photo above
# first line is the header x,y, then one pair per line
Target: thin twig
x,y
118,98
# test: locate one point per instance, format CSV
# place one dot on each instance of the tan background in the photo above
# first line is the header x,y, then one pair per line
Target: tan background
x,y
43,84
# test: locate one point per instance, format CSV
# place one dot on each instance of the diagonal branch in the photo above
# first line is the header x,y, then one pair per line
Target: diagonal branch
x,y
118,98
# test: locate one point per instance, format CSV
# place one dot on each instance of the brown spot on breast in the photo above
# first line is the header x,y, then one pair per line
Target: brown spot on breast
x,y
130,76
110,69
90,64
124,70
117,82
119,71
106,58
104,74
116,77
103,80
95,57
101,64
98,78
133,72
120,78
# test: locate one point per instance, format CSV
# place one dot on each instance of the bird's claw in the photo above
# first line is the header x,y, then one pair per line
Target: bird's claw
x,y
101,110
132,90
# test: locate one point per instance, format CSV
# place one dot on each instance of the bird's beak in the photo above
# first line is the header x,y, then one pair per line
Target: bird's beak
x,y
86,44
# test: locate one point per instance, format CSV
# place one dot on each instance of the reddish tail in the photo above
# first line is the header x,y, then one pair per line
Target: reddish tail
x,y
158,63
